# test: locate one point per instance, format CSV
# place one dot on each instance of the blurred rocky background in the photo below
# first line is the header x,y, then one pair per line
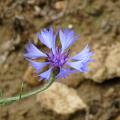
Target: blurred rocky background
x,y
91,96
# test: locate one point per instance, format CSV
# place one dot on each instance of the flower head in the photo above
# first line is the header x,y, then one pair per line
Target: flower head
x,y
58,58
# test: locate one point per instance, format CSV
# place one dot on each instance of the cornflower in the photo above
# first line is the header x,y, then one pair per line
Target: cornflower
x,y
58,57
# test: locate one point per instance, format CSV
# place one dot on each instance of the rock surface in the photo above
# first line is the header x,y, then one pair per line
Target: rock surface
x,y
60,99
107,63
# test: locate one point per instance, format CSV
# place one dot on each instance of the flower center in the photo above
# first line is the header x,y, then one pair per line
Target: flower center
x,y
58,59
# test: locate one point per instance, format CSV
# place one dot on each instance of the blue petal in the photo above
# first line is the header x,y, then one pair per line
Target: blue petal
x,y
81,66
84,68
84,55
38,65
64,73
33,52
67,38
46,75
48,38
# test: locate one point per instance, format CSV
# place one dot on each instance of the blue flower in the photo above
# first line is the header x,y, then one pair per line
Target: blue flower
x,y
58,58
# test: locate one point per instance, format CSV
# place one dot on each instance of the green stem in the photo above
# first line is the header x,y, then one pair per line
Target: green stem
x,y
22,96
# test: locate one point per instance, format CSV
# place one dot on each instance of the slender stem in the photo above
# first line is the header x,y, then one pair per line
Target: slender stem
x,y
22,96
